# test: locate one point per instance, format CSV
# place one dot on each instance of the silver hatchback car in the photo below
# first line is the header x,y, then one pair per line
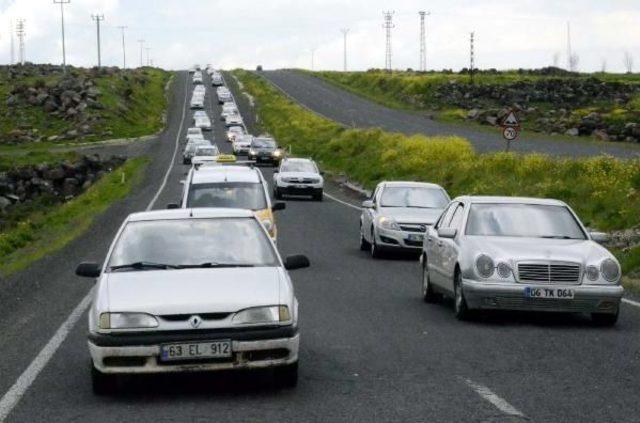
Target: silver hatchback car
x,y
519,254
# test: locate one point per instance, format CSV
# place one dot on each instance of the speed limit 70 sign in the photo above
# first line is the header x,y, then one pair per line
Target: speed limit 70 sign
x,y
510,133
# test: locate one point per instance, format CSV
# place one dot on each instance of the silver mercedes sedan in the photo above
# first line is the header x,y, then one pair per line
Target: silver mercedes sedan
x,y
519,254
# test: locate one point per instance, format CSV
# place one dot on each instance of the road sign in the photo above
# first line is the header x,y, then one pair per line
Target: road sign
x,y
510,120
510,133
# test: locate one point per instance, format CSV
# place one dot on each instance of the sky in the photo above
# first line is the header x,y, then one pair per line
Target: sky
x,y
283,33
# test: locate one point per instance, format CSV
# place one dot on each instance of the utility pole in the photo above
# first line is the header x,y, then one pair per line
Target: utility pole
x,y
64,53
13,53
423,41
141,49
147,49
124,54
471,58
21,34
344,31
98,18
569,52
388,25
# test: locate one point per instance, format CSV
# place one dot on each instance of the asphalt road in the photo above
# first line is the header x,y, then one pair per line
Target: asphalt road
x,y
352,110
371,350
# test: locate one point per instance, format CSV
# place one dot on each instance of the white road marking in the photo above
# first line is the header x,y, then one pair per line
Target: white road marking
x,y
631,302
12,397
342,202
488,395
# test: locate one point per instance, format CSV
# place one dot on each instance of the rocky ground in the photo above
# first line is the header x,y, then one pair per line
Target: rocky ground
x,y
605,110
58,182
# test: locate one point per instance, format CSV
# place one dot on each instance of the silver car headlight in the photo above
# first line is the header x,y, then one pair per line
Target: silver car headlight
x,y
258,315
485,266
252,152
268,224
592,273
504,270
127,321
610,270
388,223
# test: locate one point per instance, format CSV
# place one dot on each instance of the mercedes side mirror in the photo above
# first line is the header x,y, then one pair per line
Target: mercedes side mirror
x,y
599,237
447,233
88,270
367,204
279,206
296,262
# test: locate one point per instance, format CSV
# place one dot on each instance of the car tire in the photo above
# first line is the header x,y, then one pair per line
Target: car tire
x,y
605,319
374,249
318,196
364,244
101,383
428,295
185,161
277,194
460,308
287,376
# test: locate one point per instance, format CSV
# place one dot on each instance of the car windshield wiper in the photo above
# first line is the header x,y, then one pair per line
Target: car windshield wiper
x,y
557,237
420,207
211,265
140,265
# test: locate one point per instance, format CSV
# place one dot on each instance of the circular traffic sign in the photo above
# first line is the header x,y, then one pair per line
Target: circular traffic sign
x,y
510,133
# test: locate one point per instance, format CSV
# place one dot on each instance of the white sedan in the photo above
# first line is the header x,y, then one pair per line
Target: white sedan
x,y
192,290
204,123
298,177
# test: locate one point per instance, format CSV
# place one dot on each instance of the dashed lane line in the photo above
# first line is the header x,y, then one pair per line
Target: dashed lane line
x,y
12,397
498,402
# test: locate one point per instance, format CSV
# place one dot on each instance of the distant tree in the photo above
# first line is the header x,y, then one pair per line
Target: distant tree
x,y
574,60
556,59
628,62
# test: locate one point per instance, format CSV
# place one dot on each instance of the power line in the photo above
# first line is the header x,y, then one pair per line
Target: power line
x,y
423,41
98,18
313,54
344,31
148,61
64,53
124,54
141,49
20,32
388,25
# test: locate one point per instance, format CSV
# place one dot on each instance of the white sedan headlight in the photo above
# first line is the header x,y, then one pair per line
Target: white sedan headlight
x,y
485,266
610,270
258,315
127,321
388,223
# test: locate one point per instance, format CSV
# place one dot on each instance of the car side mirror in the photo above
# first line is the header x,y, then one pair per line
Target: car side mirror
x,y
276,171
171,206
447,233
599,237
322,172
367,204
278,206
88,270
296,262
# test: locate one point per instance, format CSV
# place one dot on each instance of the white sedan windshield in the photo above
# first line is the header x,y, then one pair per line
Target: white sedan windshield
x,y
418,197
523,220
193,242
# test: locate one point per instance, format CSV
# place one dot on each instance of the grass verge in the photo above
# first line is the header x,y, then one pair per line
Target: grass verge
x,y
604,191
46,231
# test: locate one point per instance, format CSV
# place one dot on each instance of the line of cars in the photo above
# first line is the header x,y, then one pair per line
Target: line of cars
x,y
495,253
200,286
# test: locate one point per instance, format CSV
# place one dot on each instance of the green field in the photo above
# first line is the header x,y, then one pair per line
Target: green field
x,y
604,191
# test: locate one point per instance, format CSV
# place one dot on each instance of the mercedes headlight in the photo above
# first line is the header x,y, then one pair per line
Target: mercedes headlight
x,y
388,223
258,315
592,273
252,152
504,270
277,153
610,270
485,266
127,321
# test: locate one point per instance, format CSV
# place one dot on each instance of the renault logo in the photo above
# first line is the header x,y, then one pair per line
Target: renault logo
x,y
195,321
